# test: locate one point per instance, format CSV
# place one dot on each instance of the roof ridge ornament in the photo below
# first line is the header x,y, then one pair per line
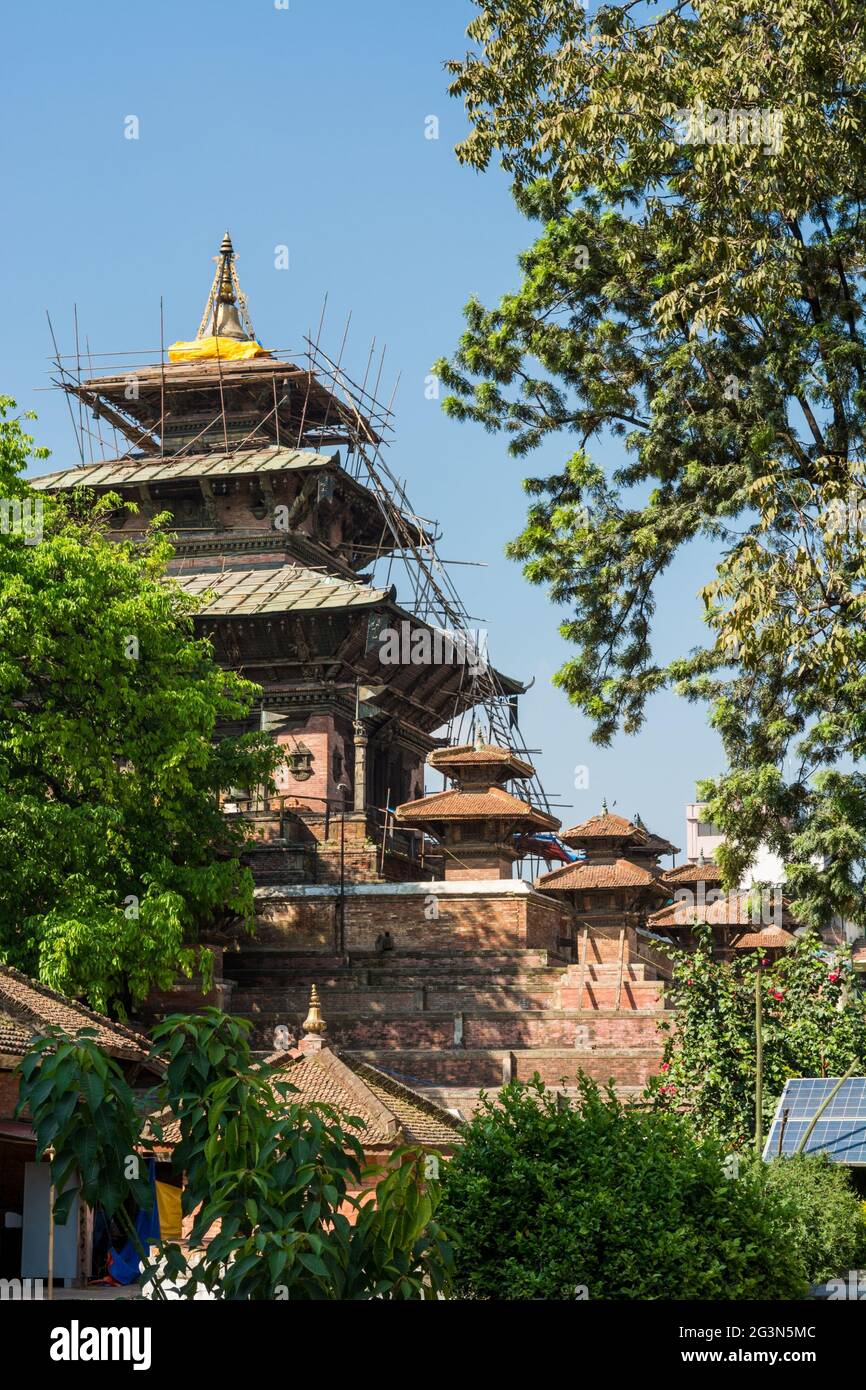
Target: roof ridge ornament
x,y
314,1023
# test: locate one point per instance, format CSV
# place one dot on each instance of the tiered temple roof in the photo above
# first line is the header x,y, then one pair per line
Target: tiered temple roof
x,y
619,874
684,875
604,831
258,464
586,874
391,1114
478,821
480,763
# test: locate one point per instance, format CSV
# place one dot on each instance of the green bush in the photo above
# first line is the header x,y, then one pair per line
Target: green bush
x,y
547,1198
826,1218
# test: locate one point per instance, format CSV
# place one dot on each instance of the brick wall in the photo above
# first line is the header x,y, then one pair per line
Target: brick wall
x,y
416,921
8,1092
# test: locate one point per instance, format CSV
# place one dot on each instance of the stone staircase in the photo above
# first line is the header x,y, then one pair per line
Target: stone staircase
x,y
453,1022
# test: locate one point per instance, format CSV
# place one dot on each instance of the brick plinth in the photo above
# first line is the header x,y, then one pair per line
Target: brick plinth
x,y
485,982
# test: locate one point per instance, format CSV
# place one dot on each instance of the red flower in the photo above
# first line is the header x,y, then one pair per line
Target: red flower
x,y
666,1066
833,976
777,993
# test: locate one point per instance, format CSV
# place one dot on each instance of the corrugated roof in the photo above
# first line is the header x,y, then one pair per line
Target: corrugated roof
x,y
622,874
27,1007
468,805
117,473
282,589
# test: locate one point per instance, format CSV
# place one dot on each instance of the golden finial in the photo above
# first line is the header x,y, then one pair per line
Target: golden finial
x,y
225,313
314,1023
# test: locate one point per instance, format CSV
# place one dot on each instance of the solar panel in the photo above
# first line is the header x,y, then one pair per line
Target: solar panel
x,y
841,1130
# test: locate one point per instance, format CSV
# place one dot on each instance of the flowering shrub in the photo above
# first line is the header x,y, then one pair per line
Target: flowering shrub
x,y
814,1024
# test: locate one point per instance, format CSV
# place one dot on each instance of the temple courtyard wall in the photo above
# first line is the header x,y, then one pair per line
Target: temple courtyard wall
x,y
483,982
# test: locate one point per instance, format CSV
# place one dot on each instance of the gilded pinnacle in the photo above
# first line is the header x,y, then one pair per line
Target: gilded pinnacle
x,y
314,1023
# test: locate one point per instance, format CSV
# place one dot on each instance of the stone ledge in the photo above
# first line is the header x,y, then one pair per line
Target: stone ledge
x,y
453,888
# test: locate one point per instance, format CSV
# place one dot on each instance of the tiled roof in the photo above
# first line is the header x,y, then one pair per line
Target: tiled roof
x,y
622,874
608,826
27,1007
736,909
767,937
708,872
281,589
480,755
169,1130
604,826
391,1112
14,1036
656,844
468,805
129,472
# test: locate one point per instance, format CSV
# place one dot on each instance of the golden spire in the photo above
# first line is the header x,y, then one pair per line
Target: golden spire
x,y
314,1023
225,313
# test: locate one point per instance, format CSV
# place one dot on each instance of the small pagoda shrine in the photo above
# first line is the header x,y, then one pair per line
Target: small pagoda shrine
x,y
740,920
480,825
700,877
617,878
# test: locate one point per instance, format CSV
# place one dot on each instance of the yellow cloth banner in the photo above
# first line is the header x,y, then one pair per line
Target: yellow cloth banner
x,y
205,349
168,1206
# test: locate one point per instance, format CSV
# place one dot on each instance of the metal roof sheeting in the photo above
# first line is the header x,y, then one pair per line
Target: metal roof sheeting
x,y
288,589
166,470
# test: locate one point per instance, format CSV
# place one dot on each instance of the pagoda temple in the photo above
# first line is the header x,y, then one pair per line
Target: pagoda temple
x,y
617,878
480,825
437,967
271,480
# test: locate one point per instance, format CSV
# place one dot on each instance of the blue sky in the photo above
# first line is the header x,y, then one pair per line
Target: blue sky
x,y
306,128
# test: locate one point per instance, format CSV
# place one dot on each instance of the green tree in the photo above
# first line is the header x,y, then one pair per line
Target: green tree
x,y
115,851
814,1025
827,1229
549,1198
696,291
273,1176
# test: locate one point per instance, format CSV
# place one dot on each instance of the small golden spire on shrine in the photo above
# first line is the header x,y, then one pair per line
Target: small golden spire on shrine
x,y
314,1023
225,313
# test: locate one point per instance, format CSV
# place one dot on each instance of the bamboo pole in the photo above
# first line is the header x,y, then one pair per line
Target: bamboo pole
x,y
759,1063
824,1103
385,831
582,977
51,1198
